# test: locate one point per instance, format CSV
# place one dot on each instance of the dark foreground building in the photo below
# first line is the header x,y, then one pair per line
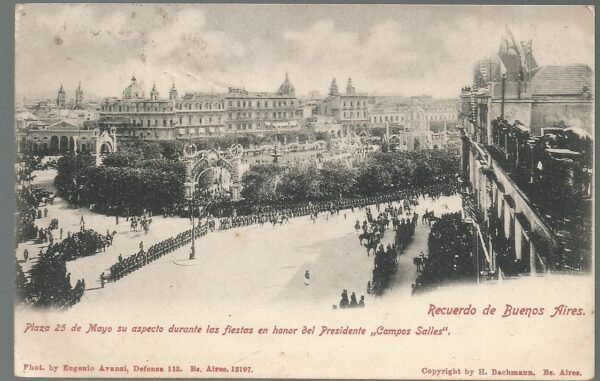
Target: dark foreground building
x,y
527,163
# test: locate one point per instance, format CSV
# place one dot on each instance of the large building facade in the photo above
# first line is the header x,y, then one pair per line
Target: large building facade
x,y
256,111
527,162
197,115
349,108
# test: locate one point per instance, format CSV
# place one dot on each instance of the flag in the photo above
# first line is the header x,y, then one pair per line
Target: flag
x,y
520,51
502,68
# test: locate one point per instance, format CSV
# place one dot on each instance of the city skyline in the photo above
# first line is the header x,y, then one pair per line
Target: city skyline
x,y
386,49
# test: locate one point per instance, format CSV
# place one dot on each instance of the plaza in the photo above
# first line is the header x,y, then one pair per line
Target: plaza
x,y
255,266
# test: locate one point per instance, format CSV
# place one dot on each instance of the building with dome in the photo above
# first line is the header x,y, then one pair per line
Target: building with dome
x,y
286,87
133,91
261,111
198,114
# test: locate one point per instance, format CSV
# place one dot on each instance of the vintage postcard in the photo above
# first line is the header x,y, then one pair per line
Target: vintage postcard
x,y
304,191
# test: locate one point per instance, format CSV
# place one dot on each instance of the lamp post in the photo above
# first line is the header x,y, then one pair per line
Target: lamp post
x,y
189,152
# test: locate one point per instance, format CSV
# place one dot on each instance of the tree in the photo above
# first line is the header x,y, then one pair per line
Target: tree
x,y
21,286
300,184
67,178
260,182
450,247
124,158
172,149
49,284
337,180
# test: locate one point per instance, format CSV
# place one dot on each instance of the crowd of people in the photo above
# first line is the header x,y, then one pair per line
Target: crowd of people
x,y
127,265
139,222
281,213
352,303
403,220
400,217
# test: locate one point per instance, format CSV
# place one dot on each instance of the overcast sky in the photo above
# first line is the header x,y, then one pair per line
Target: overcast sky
x,y
402,49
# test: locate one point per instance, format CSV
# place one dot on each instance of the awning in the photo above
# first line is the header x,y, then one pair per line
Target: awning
x,y
524,222
181,131
521,128
510,201
192,131
211,129
201,131
498,183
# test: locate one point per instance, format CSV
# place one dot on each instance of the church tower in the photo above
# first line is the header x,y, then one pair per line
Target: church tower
x,y
154,93
350,87
61,98
173,93
79,97
333,89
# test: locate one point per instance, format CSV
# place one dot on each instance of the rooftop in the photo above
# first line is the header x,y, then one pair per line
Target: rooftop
x,y
562,80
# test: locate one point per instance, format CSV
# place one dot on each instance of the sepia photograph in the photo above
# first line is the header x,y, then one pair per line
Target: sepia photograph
x,y
391,191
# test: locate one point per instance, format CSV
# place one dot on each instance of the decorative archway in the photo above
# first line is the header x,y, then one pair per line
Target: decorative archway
x,y
105,143
223,169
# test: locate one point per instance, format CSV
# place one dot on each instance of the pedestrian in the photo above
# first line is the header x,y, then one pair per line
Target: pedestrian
x,y
361,304
60,233
344,301
45,212
353,302
306,278
102,280
26,255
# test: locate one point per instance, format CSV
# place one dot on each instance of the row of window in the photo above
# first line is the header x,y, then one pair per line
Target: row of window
x,y
392,118
356,104
153,107
259,104
139,107
353,114
198,106
190,120
258,115
248,126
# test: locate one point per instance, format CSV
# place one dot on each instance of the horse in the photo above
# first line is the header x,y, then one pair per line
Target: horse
x,y
280,220
365,235
372,243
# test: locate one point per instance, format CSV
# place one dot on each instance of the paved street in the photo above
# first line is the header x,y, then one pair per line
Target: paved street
x,y
249,265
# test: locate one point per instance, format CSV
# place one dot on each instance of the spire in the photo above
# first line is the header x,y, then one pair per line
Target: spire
x,y
350,87
79,87
61,98
173,92
133,78
333,89
154,93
